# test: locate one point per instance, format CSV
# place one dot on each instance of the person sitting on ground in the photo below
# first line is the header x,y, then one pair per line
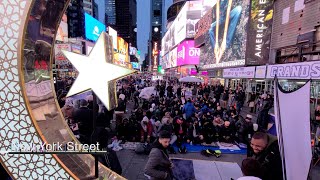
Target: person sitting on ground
x,y
189,109
251,169
266,150
146,129
226,133
124,130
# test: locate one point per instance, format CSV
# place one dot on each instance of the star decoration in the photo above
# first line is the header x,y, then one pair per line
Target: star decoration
x,y
97,72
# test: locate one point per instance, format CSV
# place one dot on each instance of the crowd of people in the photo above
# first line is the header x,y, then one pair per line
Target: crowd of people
x,y
189,112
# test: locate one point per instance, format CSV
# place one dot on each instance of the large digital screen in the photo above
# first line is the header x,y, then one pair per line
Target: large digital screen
x,y
93,27
114,34
259,32
172,59
184,25
188,54
224,44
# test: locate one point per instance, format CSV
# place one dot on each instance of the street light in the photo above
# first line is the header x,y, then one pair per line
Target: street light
x,y
156,29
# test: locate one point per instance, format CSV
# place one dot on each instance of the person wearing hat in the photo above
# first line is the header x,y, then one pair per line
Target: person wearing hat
x,y
227,133
159,166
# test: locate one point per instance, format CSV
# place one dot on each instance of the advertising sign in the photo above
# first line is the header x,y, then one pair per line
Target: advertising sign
x,y
172,59
305,70
224,41
184,25
62,34
155,56
241,72
261,72
193,72
76,48
135,65
58,54
188,54
93,27
202,27
259,32
114,34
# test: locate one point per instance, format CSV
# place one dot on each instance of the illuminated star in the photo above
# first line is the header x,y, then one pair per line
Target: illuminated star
x,y
97,72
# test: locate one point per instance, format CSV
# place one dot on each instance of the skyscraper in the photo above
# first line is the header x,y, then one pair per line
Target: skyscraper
x,y
75,15
126,17
88,6
165,6
110,15
155,34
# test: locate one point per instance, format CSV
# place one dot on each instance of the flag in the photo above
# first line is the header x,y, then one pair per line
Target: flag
x,y
292,111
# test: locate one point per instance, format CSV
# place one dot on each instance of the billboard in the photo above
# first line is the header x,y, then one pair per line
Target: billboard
x,y
259,32
202,27
184,25
59,56
135,65
188,54
172,59
155,55
224,41
121,54
114,34
62,34
76,48
93,27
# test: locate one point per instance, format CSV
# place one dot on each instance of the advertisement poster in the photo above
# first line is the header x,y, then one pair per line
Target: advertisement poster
x,y
259,32
224,42
188,54
59,57
76,48
93,27
62,34
202,27
114,34
172,61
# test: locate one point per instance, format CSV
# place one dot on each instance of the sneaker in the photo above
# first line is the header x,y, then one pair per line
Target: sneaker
x,y
216,153
205,153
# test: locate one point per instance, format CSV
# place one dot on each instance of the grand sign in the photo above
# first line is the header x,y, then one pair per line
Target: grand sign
x,y
306,70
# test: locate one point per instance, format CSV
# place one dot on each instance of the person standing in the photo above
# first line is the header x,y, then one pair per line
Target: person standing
x,y
159,166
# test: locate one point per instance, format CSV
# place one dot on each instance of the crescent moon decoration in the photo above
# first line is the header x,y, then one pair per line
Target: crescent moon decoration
x,y
29,112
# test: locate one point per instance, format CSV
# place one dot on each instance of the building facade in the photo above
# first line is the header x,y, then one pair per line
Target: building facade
x,y
110,14
75,14
88,6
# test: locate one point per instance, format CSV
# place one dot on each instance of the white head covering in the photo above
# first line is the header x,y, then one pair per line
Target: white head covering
x,y
122,96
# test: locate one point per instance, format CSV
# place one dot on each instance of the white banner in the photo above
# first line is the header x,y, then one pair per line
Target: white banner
x,y
241,72
293,129
305,70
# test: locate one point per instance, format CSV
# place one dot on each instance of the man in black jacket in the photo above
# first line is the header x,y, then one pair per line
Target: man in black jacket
x,y
83,116
266,150
159,165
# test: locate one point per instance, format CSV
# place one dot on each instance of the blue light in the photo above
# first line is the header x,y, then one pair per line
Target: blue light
x,y
93,27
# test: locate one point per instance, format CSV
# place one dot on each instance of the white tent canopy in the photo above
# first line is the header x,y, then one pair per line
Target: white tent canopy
x,y
190,79
147,92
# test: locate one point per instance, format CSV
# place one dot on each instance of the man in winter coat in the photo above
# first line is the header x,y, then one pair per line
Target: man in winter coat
x,y
159,166
266,150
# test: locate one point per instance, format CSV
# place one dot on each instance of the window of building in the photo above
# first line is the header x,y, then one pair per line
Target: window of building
x,y
156,13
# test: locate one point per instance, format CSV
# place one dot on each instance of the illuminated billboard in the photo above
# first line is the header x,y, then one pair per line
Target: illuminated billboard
x,y
114,34
184,26
121,54
259,32
188,54
93,27
224,44
155,56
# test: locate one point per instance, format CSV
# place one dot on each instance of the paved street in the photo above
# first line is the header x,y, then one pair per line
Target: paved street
x,y
133,164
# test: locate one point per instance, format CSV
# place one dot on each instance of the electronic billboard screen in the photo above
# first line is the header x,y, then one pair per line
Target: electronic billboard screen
x,y
93,27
